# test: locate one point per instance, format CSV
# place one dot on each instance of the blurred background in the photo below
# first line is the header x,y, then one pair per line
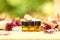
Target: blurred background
x,y
18,8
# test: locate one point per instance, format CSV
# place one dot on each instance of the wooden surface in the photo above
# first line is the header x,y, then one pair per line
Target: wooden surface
x,y
27,35
30,35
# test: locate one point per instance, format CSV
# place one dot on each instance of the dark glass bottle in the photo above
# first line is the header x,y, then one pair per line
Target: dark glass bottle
x,y
24,26
31,26
38,26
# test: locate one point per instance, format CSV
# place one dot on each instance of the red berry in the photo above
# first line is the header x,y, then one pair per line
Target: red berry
x,y
13,23
18,23
47,27
8,27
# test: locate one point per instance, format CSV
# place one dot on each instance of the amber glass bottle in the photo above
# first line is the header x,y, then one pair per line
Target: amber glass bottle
x,y
24,26
38,26
31,26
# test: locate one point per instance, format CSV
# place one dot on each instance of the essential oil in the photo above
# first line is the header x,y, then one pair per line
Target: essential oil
x,y
24,26
38,26
31,26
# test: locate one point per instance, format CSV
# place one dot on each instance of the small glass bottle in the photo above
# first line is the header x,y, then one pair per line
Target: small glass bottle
x,y
38,26
31,26
24,26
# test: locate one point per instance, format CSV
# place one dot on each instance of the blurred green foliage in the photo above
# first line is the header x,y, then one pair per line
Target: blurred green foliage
x,y
21,7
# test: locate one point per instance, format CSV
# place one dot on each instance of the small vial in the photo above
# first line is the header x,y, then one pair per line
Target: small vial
x,y
24,26
31,26
38,26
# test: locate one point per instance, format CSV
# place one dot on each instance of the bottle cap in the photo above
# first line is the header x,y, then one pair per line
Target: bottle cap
x,y
31,23
37,23
24,24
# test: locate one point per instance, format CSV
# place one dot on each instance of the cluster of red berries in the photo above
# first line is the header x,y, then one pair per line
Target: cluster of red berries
x,y
12,24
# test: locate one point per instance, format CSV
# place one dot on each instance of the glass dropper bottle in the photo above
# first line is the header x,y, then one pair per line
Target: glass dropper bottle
x,y
31,26
38,26
24,26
